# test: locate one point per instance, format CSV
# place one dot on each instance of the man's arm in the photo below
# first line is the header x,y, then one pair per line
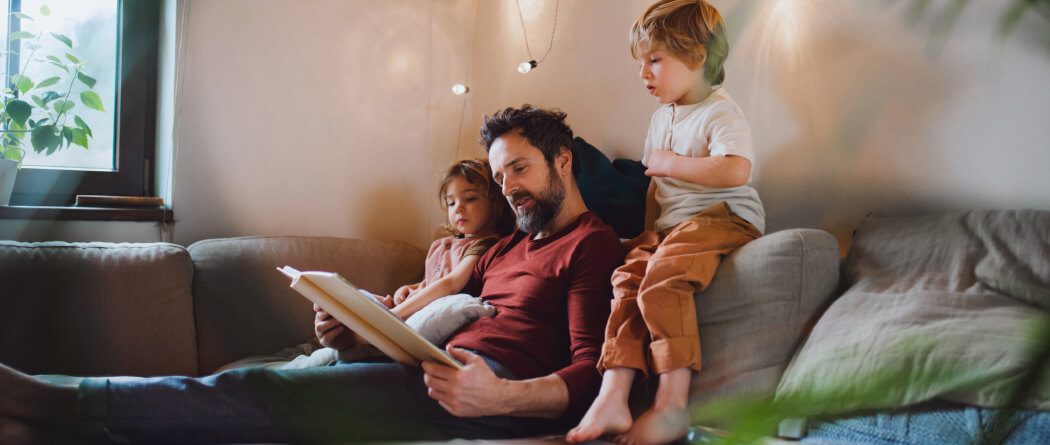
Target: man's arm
x,y
476,391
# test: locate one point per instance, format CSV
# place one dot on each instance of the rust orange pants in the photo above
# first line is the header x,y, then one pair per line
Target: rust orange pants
x,y
653,321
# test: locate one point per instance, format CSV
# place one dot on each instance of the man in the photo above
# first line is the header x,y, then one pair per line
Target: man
x,y
529,370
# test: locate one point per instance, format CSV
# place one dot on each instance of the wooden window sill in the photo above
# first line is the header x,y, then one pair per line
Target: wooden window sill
x,y
88,213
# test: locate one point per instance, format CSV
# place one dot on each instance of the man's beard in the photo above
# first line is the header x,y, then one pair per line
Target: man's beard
x,y
544,208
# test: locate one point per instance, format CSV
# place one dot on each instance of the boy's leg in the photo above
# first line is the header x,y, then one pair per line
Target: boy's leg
x,y
623,352
684,263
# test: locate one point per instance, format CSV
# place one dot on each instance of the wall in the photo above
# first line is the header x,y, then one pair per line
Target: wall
x,y
333,117
855,107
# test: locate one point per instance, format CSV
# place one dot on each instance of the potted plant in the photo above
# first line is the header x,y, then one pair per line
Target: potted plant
x,y
42,113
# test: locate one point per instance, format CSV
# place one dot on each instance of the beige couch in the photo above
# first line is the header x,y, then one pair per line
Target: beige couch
x,y
155,309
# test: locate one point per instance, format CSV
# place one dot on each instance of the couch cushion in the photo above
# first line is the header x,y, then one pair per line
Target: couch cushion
x,y
96,308
245,307
926,315
757,309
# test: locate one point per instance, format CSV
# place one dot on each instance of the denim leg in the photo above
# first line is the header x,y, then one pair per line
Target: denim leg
x,y
345,402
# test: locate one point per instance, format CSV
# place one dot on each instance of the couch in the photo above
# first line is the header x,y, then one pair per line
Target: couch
x,y
155,308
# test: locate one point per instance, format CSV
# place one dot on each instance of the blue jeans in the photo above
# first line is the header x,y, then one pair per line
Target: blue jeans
x,y
345,402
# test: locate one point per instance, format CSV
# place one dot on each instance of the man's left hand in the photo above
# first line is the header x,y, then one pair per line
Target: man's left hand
x,y
660,163
470,392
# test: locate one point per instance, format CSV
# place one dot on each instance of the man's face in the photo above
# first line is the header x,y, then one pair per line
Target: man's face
x,y
531,186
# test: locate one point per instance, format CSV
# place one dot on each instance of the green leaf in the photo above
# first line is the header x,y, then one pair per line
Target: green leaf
x,y
19,111
50,96
88,80
54,59
83,125
22,35
67,135
62,38
21,15
23,83
63,106
14,155
44,137
1009,19
72,58
91,100
39,122
45,10
80,137
48,82
60,65
38,101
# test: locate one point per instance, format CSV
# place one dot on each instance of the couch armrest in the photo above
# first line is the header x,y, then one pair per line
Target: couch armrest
x,y
244,306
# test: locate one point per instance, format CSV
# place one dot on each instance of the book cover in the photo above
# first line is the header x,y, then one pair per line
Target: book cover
x,y
367,317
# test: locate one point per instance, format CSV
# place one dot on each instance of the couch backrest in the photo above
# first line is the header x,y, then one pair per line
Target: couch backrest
x,y
245,307
96,309
758,308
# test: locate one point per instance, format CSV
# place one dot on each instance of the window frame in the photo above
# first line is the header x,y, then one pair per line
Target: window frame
x,y
135,124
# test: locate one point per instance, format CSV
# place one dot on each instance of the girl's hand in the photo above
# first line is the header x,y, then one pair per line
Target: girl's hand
x,y
401,294
660,163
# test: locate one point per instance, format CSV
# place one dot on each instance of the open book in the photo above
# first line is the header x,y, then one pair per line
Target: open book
x,y
367,317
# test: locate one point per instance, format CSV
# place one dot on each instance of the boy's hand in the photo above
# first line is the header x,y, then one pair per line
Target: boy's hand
x,y
660,163
470,392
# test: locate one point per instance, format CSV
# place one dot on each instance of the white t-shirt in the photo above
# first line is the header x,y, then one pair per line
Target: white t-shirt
x,y
713,127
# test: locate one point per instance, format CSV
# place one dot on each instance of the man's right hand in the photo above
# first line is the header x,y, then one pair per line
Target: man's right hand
x,y
330,332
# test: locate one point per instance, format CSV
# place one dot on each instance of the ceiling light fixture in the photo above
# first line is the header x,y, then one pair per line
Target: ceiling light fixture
x,y
525,67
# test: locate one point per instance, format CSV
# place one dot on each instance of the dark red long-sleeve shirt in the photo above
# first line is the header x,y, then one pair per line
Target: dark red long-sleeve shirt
x,y
552,302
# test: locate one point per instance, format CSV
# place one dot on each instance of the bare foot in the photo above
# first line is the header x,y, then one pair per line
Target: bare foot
x,y
603,417
609,414
657,426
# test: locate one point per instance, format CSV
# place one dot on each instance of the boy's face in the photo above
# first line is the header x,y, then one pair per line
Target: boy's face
x,y
668,78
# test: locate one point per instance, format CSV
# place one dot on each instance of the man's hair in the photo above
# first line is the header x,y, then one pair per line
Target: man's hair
x,y
544,129
692,30
478,173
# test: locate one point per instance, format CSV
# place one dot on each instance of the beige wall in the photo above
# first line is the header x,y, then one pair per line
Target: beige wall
x,y
853,108
333,117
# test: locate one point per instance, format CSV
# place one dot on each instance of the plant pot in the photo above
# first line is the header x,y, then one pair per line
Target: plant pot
x,y
8,169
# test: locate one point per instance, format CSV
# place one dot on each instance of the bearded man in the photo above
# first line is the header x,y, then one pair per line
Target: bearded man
x,y
530,369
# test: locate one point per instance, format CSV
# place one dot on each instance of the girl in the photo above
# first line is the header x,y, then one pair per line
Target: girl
x,y
478,215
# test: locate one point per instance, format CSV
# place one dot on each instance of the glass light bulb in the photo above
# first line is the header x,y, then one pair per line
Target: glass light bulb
x,y
460,89
526,66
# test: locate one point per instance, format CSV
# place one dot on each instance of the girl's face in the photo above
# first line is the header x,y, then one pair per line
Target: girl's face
x,y
469,212
669,78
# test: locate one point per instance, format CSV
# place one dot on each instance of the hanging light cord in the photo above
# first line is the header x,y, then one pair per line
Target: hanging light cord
x,y
524,31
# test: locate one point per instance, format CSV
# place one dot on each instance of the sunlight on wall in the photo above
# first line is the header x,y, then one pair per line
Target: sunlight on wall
x,y
784,32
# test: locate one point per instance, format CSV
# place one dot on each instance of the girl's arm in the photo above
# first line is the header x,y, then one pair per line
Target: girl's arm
x,y
709,171
447,285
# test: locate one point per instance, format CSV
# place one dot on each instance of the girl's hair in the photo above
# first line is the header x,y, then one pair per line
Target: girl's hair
x,y
478,173
692,30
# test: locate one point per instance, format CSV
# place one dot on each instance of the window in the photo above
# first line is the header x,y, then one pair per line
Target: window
x,y
117,40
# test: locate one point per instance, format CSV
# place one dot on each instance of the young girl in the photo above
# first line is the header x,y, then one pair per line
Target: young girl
x,y
478,216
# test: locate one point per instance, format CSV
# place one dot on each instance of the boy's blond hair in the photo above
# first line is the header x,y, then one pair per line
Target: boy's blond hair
x,y
692,30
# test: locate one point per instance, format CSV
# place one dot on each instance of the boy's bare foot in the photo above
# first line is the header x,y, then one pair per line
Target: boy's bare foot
x,y
668,419
657,426
609,414
603,417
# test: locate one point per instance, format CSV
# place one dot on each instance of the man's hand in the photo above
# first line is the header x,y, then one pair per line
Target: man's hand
x,y
330,332
660,163
470,392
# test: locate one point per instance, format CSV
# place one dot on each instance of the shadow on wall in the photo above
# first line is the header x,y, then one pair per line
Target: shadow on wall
x,y
388,208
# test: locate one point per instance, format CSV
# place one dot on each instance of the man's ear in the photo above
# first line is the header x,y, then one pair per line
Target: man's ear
x,y
565,160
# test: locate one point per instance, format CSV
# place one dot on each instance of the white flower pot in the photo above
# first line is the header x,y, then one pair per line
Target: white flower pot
x,y
8,169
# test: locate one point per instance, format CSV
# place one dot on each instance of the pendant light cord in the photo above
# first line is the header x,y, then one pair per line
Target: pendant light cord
x,y
524,31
